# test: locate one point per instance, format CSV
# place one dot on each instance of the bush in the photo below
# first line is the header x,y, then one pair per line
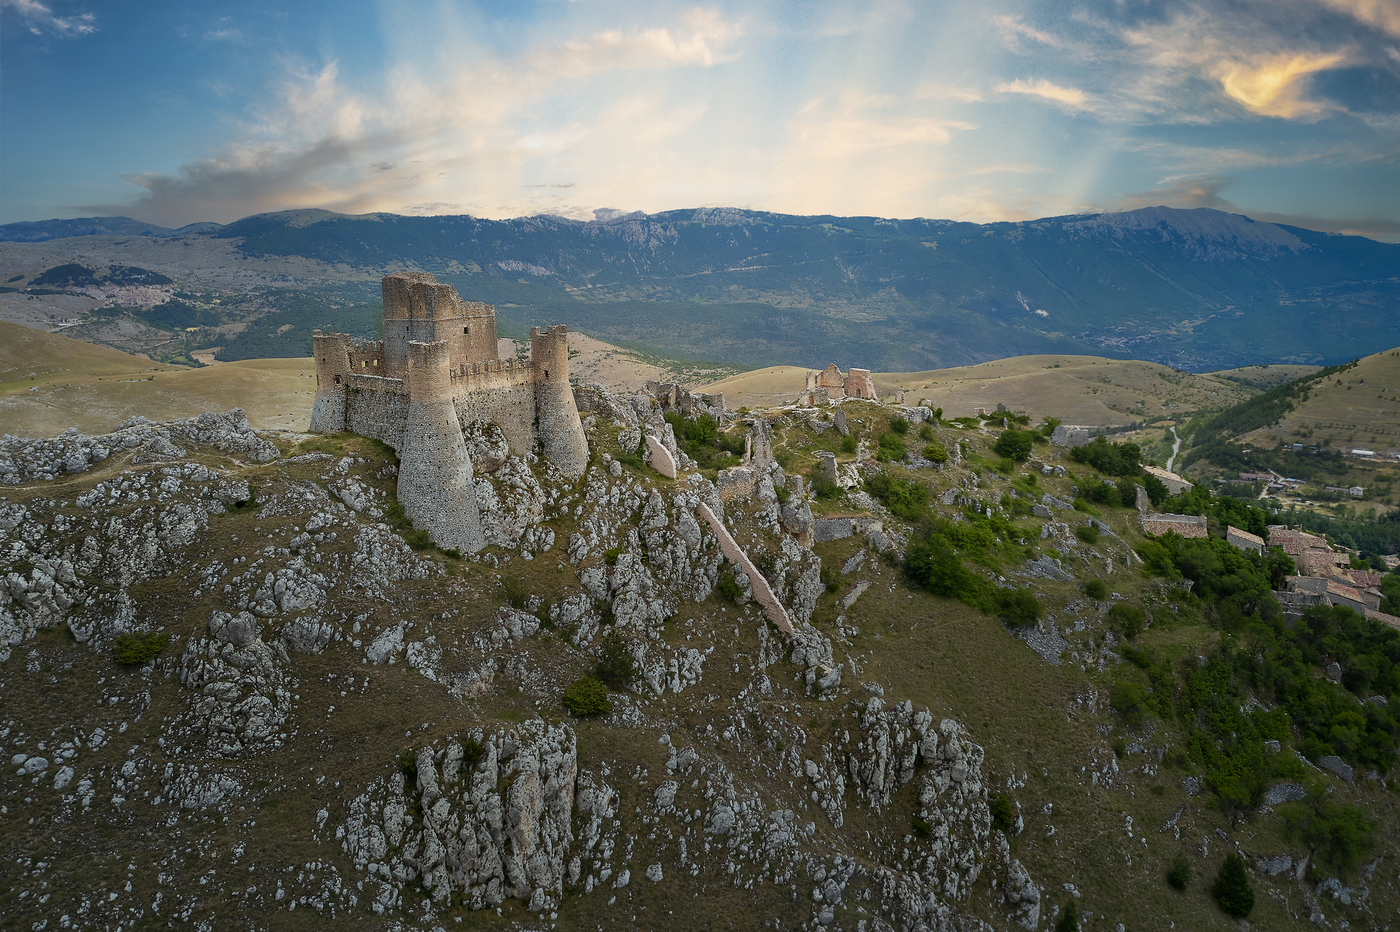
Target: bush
x,y
1232,889
617,667
922,827
899,425
824,488
1003,816
1014,445
935,453
587,696
891,447
926,433
1019,608
1126,619
1087,533
516,589
831,577
1131,701
903,497
728,587
473,752
138,648
1095,589
1069,920
1340,836
848,443
1179,874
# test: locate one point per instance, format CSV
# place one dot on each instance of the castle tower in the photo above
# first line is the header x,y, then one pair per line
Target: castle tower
x,y
435,471
558,425
417,308
332,350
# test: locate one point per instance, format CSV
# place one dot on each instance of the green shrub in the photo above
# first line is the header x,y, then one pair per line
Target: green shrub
x,y
1069,919
926,433
587,696
903,497
727,586
516,590
1120,748
1131,701
1019,608
824,488
922,828
138,648
1095,589
1081,505
891,447
408,763
1087,533
900,426
848,443
617,667
1340,836
1003,815
1014,445
935,453
1232,889
1126,619
473,752
1179,874
831,577
611,554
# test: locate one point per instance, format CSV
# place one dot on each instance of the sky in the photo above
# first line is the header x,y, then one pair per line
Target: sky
x,y
172,112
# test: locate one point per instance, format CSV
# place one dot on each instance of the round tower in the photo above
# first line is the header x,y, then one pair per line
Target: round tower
x,y
435,471
560,430
332,350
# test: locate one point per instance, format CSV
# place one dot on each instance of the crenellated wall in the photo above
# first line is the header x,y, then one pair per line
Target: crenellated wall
x,y
435,370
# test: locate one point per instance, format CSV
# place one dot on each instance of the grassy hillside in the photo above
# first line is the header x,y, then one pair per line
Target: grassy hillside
x,y
92,388
1088,390
1356,408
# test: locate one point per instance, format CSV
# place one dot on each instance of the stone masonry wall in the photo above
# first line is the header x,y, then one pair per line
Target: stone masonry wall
x,y
762,592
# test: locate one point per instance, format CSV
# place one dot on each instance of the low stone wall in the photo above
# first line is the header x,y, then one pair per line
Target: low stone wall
x,y
825,530
762,593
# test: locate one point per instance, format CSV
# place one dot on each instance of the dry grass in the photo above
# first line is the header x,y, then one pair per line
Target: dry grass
x,y
92,388
1363,411
1086,390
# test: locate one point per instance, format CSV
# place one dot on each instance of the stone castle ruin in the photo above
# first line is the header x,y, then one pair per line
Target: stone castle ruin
x,y
435,372
830,385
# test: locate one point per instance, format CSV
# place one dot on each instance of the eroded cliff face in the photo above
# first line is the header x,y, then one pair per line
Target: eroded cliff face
x,y
338,722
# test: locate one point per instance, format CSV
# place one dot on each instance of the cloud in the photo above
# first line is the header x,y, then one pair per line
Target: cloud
x,y
442,127
41,19
1275,86
1013,30
1039,87
1382,14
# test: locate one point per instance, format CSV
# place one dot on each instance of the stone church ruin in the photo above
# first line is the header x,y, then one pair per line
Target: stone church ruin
x,y
435,371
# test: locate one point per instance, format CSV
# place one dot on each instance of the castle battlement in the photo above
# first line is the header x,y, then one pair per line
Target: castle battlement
x,y
435,371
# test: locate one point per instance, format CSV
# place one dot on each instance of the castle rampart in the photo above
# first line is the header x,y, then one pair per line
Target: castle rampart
x,y
436,370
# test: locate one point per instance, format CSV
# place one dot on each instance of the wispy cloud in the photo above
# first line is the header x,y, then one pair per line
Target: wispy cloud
x,y
1071,97
1382,14
1277,85
40,19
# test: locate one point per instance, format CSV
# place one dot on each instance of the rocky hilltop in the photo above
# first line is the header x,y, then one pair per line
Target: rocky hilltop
x,y
242,691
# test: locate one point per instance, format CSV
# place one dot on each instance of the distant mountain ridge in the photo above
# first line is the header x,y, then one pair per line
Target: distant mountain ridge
x,y
1196,289
39,231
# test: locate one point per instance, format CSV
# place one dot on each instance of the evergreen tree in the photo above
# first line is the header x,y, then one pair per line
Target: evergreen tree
x,y
1232,889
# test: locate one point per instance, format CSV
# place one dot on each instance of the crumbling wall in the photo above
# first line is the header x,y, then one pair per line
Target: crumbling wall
x,y
762,592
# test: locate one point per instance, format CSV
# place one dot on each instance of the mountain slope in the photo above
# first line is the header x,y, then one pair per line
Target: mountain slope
x,y
1194,289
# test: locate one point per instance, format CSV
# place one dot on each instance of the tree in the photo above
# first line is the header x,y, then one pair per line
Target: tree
x,y
1014,445
1179,874
1232,889
616,665
1069,920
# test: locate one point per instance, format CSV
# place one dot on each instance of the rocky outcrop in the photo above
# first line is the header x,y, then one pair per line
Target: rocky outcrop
x,y
485,815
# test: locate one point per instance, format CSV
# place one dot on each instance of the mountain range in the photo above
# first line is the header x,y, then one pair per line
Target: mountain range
x,y
1195,289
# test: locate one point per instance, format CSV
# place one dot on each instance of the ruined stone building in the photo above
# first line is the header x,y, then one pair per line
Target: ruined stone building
x,y
857,383
435,371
